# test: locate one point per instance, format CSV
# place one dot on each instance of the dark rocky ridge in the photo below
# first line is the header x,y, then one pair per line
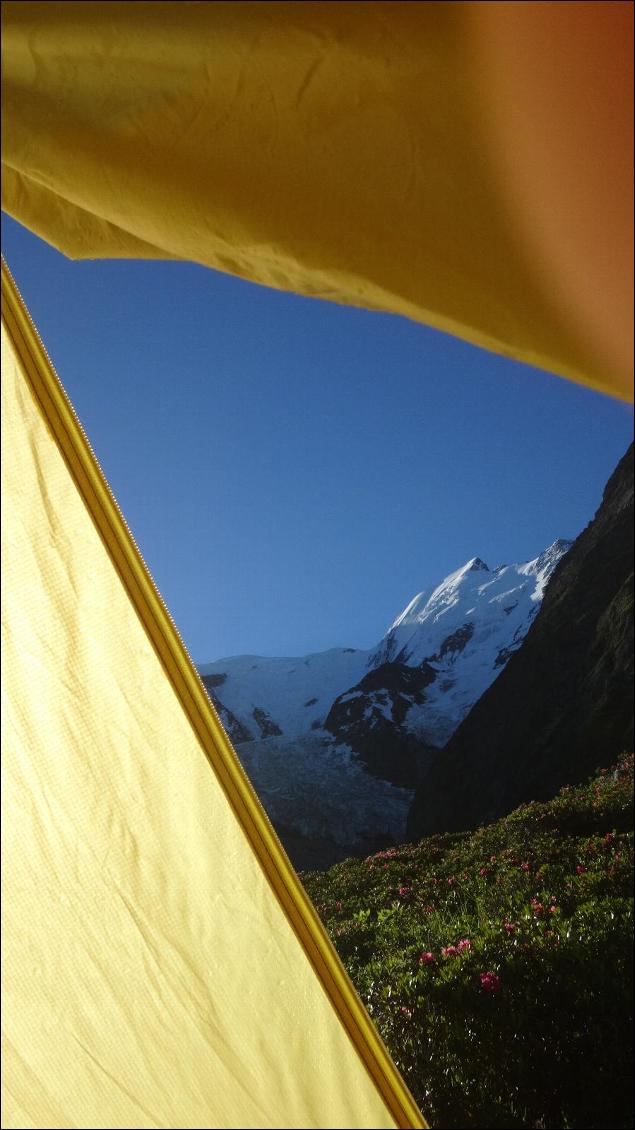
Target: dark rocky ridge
x,y
454,643
268,728
563,704
360,719
232,725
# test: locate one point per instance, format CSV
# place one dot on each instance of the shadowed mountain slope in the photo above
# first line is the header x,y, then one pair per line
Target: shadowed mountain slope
x,y
562,697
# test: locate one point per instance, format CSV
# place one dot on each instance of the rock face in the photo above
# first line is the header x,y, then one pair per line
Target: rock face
x,y
369,719
233,726
563,703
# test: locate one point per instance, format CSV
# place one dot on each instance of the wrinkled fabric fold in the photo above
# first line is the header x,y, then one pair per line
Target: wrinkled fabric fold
x,y
333,150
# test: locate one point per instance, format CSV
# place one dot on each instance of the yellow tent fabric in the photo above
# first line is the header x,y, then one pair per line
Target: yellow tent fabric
x,y
332,149
159,955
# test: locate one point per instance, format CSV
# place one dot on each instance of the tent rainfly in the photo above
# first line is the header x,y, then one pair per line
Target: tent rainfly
x,y
162,965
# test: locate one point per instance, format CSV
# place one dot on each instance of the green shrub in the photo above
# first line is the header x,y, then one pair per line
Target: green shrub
x,y
497,964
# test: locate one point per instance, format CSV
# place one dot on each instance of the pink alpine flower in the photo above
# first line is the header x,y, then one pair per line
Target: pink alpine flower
x,y
449,951
580,869
404,892
490,982
509,927
524,867
427,958
464,944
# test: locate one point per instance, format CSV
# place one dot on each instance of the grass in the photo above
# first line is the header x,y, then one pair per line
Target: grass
x,y
497,964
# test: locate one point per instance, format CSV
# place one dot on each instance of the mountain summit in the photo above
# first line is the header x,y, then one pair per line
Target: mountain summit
x,y
315,730
464,631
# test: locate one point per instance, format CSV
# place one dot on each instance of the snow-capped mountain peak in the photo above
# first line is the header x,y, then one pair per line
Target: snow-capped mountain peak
x,y
466,629
474,583
471,622
387,705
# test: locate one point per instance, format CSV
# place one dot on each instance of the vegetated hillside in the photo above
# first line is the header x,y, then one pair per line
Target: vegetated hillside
x,y
566,692
497,964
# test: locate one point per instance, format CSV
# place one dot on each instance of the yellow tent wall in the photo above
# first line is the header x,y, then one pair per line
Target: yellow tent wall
x,y
162,966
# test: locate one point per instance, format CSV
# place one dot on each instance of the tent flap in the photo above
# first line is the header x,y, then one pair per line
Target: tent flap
x,y
334,150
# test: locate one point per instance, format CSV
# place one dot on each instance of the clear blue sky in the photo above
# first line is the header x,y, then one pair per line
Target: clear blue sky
x,y
295,471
